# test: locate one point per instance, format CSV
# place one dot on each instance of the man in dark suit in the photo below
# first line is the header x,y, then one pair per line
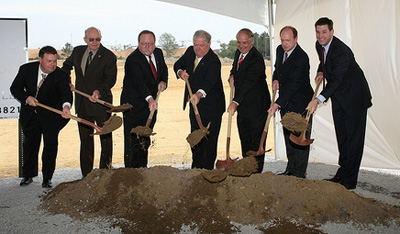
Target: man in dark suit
x,y
251,99
145,74
45,83
292,78
208,94
95,74
350,96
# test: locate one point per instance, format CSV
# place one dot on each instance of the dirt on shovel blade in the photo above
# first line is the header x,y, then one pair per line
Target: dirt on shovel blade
x,y
196,136
294,122
244,167
113,123
121,108
142,131
215,175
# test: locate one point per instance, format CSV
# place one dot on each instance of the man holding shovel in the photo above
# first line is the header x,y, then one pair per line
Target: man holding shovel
x,y
95,73
251,99
146,74
292,78
202,68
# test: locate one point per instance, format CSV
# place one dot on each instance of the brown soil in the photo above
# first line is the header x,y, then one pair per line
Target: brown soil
x,y
142,131
294,122
163,199
112,124
121,108
196,136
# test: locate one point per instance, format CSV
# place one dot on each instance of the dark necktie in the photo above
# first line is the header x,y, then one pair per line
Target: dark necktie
x,y
323,67
286,54
153,68
241,60
89,60
40,84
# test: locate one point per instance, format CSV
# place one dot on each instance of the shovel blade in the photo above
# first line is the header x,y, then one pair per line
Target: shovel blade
x,y
301,140
223,165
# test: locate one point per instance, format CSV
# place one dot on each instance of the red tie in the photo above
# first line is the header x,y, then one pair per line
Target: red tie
x,y
323,67
153,68
240,60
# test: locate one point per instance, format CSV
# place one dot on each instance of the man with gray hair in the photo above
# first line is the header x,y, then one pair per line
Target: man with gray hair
x,y
202,68
95,74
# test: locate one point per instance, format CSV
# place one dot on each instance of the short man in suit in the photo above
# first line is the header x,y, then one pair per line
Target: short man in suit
x,y
145,74
95,74
252,98
350,96
45,83
208,94
292,78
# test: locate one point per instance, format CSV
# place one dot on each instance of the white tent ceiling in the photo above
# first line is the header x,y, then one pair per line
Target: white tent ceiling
x,y
372,30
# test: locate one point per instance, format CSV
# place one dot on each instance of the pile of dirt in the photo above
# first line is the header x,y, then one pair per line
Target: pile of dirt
x,y
166,200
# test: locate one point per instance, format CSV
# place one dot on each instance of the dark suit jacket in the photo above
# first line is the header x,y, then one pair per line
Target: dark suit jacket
x,y
139,81
54,92
207,77
347,85
295,91
251,90
100,75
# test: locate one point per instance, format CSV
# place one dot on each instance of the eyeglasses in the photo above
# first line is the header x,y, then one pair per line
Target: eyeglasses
x,y
146,44
97,39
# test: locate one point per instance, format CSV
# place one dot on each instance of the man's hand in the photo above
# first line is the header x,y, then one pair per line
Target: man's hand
x,y
152,104
96,94
71,86
231,80
195,99
183,75
312,106
274,107
275,85
232,108
66,112
31,101
319,77
162,86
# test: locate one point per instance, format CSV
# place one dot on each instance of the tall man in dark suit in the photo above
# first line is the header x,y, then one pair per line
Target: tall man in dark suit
x,y
145,74
45,83
208,94
95,74
292,78
251,99
350,95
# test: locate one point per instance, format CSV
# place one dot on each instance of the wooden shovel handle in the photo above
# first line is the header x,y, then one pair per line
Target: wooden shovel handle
x,y
315,94
153,110
196,111
228,139
109,105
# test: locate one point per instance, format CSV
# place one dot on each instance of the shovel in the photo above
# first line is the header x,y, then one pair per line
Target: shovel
x,y
302,140
121,108
196,136
224,164
146,131
261,150
110,125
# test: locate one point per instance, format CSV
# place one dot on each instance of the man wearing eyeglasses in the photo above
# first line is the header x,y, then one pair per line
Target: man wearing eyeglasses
x,y
95,74
145,74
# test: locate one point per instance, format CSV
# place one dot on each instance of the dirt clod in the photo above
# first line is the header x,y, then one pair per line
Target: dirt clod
x,y
294,122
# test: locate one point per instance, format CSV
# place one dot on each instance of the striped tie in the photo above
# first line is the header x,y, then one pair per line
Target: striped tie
x,y
40,84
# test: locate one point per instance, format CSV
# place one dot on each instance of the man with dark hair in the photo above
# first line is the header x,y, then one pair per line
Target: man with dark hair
x,y
45,83
252,98
202,67
350,96
292,78
145,74
95,74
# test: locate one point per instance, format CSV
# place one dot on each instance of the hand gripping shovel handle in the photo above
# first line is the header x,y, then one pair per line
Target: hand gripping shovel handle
x,y
196,111
153,110
80,120
109,105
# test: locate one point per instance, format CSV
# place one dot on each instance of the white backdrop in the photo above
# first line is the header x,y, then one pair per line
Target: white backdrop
x,y
371,29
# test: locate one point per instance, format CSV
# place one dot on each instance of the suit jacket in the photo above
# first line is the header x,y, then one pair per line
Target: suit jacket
x,y
54,92
347,85
100,75
139,81
251,90
295,91
207,77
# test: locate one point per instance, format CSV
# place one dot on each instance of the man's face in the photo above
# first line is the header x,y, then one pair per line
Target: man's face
x,y
323,34
92,39
288,40
146,44
200,47
243,43
48,63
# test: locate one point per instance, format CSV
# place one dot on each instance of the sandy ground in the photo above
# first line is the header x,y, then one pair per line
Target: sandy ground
x,y
168,149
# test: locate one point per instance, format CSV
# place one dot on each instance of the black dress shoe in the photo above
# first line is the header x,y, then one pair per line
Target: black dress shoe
x,y
47,184
349,186
335,179
287,173
25,181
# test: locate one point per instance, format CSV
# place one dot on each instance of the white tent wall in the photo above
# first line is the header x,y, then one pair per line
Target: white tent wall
x,y
372,30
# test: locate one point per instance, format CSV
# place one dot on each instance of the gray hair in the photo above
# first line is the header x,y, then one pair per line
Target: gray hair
x,y
202,34
246,31
98,30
